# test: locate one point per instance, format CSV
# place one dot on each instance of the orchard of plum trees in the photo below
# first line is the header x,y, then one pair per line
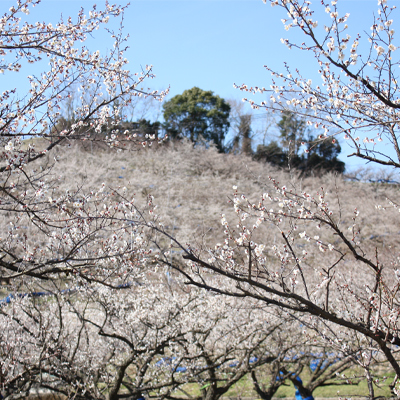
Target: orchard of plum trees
x,y
177,283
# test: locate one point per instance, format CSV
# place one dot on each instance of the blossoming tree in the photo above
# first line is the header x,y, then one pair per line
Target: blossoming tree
x,y
358,97
320,264
147,339
51,232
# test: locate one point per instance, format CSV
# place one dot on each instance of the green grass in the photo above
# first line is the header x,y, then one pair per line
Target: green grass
x,y
244,388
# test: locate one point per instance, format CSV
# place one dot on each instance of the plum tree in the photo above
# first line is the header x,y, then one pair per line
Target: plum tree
x,y
50,233
319,265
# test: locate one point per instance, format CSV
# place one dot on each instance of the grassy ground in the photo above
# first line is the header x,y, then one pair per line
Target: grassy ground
x,y
244,388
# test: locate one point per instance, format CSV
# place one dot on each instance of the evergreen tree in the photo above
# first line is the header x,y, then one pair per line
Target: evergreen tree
x,y
197,113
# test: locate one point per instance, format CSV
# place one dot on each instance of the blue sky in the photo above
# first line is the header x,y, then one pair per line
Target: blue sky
x,y
207,43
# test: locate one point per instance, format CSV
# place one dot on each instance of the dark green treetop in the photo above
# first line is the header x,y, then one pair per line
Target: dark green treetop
x,y
320,157
196,113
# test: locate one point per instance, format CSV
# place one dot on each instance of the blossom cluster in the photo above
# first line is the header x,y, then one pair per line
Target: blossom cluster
x,y
358,95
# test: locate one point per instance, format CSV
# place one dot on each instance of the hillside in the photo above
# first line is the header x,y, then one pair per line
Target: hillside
x,y
192,187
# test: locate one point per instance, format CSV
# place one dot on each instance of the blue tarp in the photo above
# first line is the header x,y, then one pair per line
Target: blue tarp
x,y
298,396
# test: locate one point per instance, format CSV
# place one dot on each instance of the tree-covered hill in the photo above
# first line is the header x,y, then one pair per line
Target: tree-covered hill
x,y
193,186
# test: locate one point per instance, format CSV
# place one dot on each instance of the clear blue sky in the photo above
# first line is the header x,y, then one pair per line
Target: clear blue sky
x,y
207,43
